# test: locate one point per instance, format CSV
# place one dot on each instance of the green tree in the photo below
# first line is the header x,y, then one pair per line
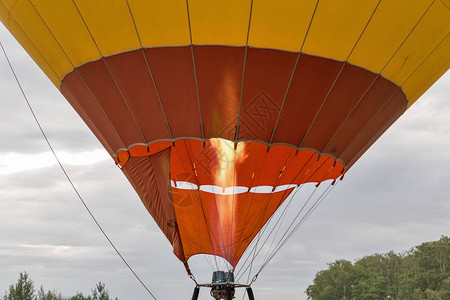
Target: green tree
x,y
22,290
80,296
50,295
422,273
334,283
100,292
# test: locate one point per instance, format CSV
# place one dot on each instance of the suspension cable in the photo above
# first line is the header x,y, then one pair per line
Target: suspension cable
x,y
69,179
293,227
282,242
262,231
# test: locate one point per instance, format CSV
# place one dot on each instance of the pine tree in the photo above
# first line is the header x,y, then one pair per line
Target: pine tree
x,y
22,290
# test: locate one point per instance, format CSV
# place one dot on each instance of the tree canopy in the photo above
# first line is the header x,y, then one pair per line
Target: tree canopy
x,y
421,273
24,290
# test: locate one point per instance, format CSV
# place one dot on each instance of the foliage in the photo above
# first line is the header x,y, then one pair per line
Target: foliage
x,y
100,292
418,274
24,290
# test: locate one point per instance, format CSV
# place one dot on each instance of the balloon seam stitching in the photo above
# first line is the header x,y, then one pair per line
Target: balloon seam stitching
x,y
229,46
195,70
103,58
236,135
74,70
241,140
379,75
293,71
150,71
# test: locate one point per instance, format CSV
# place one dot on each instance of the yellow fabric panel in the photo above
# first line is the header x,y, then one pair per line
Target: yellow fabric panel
x,y
161,22
219,22
429,83
8,4
30,22
4,15
423,77
387,30
337,26
110,24
434,26
281,24
26,43
65,23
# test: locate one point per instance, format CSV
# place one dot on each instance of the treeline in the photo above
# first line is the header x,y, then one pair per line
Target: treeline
x,y
24,290
420,273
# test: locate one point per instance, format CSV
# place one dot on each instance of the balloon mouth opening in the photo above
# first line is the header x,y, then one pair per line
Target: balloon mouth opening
x,y
231,190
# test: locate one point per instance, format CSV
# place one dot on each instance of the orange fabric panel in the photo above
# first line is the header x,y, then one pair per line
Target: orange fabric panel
x,y
150,177
222,225
253,163
217,186
250,164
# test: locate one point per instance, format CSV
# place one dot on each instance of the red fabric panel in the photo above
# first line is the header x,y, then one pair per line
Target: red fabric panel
x,y
219,77
150,177
382,120
219,74
348,89
74,86
132,75
375,97
102,86
267,74
312,79
173,72
89,122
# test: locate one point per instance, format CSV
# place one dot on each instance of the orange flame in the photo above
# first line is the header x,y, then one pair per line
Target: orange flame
x,y
228,159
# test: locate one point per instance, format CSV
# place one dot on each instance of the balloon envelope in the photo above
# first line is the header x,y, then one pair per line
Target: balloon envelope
x,y
217,110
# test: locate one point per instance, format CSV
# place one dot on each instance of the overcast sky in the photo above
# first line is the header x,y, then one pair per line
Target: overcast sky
x,y
396,196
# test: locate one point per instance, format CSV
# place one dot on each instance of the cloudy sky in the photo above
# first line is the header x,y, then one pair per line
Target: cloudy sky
x,y
395,197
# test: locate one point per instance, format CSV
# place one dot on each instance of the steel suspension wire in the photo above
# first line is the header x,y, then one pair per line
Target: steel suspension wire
x,y
262,231
293,221
281,243
251,202
199,200
293,227
268,236
70,180
254,250
262,212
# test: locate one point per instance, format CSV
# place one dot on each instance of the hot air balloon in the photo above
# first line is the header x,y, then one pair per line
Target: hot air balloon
x,y
216,111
